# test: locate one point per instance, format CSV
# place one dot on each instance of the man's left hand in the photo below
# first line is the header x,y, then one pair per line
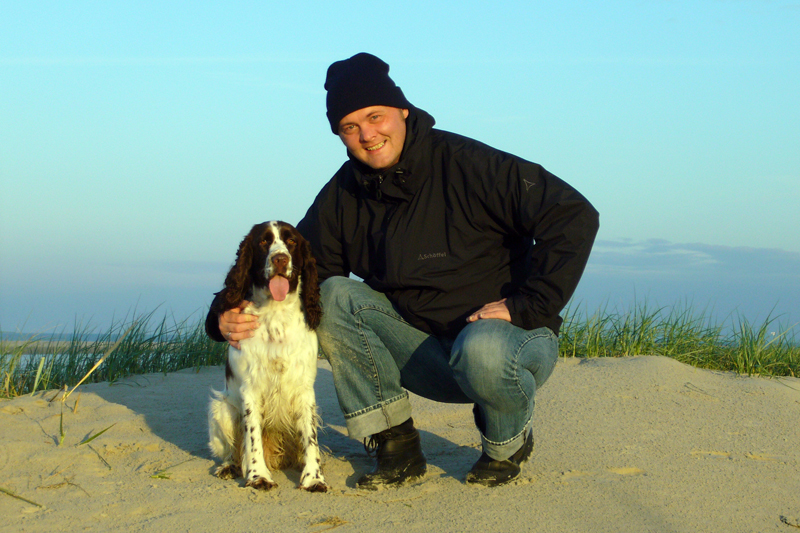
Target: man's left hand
x,y
491,310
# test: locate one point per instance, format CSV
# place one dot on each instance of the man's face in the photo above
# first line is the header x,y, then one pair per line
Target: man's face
x,y
375,135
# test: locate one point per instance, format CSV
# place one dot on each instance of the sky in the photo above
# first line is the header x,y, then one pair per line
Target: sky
x,y
139,141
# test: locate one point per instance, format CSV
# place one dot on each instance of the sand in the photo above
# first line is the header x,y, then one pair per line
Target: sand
x,y
633,444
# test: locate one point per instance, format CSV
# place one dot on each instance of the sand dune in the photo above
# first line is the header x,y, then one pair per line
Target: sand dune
x,y
633,444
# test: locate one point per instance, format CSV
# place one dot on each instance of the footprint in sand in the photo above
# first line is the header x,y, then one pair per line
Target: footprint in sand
x,y
727,455
710,453
624,471
572,474
763,457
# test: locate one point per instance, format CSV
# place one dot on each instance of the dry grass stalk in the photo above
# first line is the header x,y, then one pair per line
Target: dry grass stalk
x,y
17,496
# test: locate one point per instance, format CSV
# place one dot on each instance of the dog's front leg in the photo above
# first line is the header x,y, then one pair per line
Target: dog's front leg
x,y
311,479
258,475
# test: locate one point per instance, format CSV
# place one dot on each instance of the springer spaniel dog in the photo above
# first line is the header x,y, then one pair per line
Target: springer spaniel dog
x,y
266,418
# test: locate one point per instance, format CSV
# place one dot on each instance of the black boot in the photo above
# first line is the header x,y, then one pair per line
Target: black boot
x,y
491,472
399,457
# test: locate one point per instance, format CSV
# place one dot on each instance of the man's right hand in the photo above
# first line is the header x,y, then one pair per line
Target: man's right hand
x,y
236,325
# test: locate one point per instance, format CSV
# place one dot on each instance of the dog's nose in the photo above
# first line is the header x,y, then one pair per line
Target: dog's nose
x,y
280,260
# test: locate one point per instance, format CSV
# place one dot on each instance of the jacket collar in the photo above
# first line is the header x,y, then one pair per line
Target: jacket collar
x,y
403,180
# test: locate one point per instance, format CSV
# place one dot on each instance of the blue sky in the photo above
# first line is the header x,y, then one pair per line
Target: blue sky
x,y
139,141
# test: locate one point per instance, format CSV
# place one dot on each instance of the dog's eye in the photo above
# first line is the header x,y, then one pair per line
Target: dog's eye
x,y
291,241
263,242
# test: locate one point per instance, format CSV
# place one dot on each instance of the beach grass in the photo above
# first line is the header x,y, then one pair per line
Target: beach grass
x,y
767,348
152,345
163,345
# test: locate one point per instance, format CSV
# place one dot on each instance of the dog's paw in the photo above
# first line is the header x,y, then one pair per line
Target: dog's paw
x,y
229,471
261,483
316,486
313,482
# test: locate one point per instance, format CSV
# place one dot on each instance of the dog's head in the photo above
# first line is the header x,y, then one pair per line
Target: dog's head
x,y
275,260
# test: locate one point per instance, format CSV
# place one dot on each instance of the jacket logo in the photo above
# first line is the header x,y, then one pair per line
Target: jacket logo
x,y
528,184
423,257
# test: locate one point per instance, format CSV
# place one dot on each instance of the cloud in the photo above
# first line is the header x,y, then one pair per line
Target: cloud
x,y
752,283
677,260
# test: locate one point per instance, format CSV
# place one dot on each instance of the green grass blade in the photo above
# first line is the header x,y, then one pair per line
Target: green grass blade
x,y
90,439
61,426
164,474
38,375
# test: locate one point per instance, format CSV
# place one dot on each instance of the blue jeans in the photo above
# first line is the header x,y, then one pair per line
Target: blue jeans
x,y
377,357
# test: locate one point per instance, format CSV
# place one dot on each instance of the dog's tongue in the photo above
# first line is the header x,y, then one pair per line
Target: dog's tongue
x,y
279,288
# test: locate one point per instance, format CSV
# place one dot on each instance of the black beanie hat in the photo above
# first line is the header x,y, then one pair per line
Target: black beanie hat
x,y
359,82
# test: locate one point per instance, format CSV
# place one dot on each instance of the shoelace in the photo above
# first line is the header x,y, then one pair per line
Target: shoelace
x,y
373,443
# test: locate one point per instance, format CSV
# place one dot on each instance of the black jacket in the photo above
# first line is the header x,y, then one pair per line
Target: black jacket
x,y
454,225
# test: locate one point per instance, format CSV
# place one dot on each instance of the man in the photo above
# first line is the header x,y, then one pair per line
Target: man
x,y
467,256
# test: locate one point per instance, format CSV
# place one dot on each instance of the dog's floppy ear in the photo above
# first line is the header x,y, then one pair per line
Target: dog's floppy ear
x,y
309,292
238,280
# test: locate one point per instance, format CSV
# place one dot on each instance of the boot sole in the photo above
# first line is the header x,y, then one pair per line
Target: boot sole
x,y
408,475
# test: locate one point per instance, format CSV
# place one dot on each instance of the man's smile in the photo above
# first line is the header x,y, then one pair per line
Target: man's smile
x,y
375,135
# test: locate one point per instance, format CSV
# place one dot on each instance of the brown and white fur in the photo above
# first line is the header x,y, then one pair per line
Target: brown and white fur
x,y
266,418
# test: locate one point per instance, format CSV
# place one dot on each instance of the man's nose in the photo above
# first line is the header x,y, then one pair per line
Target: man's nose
x,y
367,133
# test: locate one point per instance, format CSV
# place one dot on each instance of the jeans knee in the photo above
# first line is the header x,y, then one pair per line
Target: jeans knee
x,y
477,358
335,291
333,299
481,361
